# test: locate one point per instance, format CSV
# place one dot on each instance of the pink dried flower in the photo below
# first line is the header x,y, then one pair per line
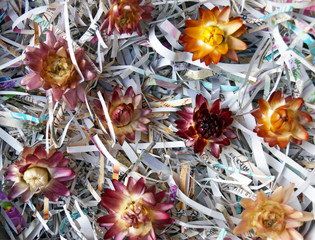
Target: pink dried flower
x,y
52,68
125,15
134,210
125,113
39,173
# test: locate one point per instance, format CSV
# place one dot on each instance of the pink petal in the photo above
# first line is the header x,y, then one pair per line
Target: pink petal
x,y
40,152
164,206
216,106
160,196
81,92
121,235
114,194
131,183
28,78
55,159
50,39
114,230
229,133
60,172
159,215
139,187
119,187
26,196
215,149
57,93
107,220
57,188
71,98
50,194
17,189
149,198
295,234
128,96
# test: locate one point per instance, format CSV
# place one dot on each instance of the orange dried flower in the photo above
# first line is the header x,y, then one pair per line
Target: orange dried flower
x,y
214,36
270,217
280,120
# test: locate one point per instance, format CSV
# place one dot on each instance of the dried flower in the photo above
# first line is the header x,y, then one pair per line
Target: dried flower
x,y
270,217
39,173
206,126
126,114
125,15
280,120
134,210
53,69
214,36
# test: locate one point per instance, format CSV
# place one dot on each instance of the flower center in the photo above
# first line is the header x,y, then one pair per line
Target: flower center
x,y
213,36
122,115
58,70
36,178
271,216
208,125
135,215
281,120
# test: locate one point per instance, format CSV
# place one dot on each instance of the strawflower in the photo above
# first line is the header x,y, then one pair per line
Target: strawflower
x,y
134,211
214,36
52,68
271,217
125,113
125,15
279,120
206,126
39,173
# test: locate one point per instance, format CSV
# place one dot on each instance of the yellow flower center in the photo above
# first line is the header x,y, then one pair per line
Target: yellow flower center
x,y
135,215
59,70
269,217
213,36
36,178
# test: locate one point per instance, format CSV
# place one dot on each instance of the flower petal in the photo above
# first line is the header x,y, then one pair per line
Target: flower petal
x,y
17,189
60,172
139,187
107,220
236,44
224,15
242,227
40,152
158,215
215,149
120,187
200,145
231,27
114,230
264,106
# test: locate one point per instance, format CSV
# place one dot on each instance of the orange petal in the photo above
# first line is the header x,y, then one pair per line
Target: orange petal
x,y
208,18
193,45
261,196
283,141
285,235
296,104
293,223
295,234
242,227
203,51
236,44
277,194
222,48
247,202
287,192
224,15
296,215
307,216
215,55
240,31
276,99
192,23
303,117
263,106
232,55
299,132
232,26
194,32
215,11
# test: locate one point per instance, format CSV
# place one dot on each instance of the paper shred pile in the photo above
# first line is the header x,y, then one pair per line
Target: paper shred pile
x,y
206,191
